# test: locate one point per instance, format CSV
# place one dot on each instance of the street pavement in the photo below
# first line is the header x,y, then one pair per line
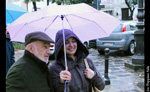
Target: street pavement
x,y
122,79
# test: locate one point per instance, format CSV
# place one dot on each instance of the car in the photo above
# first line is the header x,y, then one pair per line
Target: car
x,y
92,43
52,49
86,44
121,38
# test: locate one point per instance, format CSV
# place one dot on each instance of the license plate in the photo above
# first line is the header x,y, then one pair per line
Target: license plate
x,y
109,44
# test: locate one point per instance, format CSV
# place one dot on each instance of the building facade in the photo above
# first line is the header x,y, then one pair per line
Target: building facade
x,y
115,8
29,6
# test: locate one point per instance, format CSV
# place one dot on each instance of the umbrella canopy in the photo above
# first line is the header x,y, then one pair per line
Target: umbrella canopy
x,y
85,21
13,12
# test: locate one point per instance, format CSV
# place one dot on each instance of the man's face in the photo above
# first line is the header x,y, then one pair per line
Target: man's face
x,y
41,50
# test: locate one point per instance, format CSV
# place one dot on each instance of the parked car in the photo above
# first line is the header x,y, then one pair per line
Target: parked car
x,y
90,44
121,38
86,43
52,49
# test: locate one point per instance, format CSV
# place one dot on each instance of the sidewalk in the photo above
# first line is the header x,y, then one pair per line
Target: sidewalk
x,y
122,79
18,54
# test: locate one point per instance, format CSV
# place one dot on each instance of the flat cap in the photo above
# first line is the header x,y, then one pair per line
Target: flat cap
x,y
34,36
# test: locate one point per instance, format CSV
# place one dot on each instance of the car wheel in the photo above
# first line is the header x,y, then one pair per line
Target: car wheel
x,y
131,49
101,52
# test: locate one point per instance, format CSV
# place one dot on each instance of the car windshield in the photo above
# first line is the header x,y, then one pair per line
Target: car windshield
x,y
118,29
133,26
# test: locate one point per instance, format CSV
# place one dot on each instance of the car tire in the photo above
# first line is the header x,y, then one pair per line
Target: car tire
x,y
101,52
131,48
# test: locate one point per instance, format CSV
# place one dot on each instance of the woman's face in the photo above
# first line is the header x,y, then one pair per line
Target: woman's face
x,y
71,46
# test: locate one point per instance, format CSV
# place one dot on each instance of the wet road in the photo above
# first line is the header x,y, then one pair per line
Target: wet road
x,y
122,79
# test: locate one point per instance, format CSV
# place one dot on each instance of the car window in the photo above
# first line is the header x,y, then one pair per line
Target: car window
x,y
118,29
133,26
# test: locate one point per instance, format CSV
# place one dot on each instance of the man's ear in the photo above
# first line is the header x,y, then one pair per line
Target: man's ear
x,y
31,48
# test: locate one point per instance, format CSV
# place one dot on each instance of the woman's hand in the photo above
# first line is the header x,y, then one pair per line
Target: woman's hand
x,y
89,73
64,75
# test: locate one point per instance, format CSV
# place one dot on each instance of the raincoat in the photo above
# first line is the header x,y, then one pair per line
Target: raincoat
x,y
79,82
28,74
10,58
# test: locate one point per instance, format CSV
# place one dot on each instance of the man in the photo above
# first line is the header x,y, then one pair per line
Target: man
x,y
10,59
30,73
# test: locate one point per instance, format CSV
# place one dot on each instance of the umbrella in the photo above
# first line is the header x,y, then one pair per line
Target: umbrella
x,y
13,12
85,21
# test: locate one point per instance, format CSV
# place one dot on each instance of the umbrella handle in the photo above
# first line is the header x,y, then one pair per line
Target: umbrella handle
x,y
66,89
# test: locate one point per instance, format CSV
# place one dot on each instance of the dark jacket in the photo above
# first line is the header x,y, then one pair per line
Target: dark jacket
x,y
28,74
10,59
79,82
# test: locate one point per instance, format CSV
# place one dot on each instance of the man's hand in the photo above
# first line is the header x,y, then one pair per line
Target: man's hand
x,y
64,75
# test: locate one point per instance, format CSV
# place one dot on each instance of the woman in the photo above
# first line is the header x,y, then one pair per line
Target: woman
x,y
80,78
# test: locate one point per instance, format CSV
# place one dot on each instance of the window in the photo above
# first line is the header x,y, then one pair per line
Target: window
x,y
118,29
133,26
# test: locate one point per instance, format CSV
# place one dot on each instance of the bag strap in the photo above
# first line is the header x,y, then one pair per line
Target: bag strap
x,y
94,89
86,63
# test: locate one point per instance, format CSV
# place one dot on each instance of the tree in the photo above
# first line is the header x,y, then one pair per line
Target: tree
x,y
34,5
59,2
47,2
33,2
131,4
26,1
